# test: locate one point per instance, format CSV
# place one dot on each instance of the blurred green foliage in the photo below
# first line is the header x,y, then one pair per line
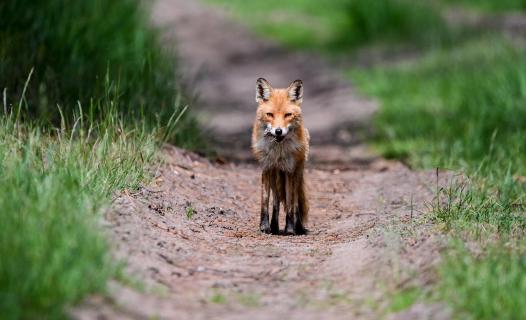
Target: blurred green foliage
x,y
468,101
95,50
491,5
418,22
344,24
295,23
73,46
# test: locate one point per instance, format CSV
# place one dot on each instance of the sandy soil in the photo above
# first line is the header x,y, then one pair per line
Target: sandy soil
x,y
367,236
191,237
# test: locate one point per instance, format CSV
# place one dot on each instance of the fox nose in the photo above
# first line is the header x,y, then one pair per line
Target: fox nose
x,y
279,132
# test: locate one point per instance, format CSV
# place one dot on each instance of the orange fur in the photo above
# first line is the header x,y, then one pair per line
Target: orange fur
x,y
280,142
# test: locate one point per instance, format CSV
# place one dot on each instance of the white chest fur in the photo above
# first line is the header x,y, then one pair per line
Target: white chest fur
x,y
278,155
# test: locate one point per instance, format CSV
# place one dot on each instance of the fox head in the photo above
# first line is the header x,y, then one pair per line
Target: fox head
x,y
279,110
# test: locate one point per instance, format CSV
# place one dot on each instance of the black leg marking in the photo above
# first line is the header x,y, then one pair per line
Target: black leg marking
x,y
274,223
290,204
289,225
265,190
264,226
298,226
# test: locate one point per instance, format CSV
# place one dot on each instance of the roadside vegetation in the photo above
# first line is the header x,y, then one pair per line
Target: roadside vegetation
x,y
491,5
53,188
343,24
88,51
88,95
463,109
459,105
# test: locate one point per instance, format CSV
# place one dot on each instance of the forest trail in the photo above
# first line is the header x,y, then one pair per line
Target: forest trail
x,y
191,237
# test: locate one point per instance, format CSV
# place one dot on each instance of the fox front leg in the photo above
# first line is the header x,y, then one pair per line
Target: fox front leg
x,y
265,191
274,223
277,188
290,204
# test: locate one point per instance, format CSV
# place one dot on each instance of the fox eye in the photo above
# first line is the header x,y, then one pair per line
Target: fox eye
x,y
288,115
270,114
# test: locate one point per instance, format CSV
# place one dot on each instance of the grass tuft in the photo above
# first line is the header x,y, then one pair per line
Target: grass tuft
x,y
190,211
54,183
488,286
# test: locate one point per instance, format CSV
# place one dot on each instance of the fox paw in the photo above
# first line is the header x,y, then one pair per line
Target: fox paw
x,y
264,228
299,228
289,231
274,228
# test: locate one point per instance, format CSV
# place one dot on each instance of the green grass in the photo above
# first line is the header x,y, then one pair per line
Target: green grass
x,y
464,100
84,51
73,45
403,299
491,286
190,211
393,21
342,24
53,186
492,5
464,109
218,298
295,23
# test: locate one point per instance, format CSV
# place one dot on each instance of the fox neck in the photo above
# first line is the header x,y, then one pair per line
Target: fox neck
x,y
279,155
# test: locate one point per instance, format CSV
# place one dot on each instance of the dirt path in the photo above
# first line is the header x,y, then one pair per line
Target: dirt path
x,y
192,236
213,263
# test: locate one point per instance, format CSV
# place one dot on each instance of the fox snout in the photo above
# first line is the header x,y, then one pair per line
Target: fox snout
x,y
278,133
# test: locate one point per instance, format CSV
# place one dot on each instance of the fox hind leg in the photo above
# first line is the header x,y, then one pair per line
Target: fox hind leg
x,y
302,208
298,225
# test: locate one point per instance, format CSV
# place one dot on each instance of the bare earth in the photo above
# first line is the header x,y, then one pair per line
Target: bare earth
x,y
191,237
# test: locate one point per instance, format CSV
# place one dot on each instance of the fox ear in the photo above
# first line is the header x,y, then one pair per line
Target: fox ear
x,y
263,90
295,91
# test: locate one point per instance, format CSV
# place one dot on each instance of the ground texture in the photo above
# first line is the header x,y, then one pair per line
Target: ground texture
x,y
191,237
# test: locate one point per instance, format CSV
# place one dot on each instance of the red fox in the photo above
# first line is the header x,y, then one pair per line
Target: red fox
x,y
280,143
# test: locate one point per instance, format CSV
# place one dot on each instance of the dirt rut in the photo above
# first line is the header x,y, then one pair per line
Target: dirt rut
x,y
192,238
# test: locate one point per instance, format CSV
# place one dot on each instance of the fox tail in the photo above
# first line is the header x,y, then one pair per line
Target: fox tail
x,y
303,203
